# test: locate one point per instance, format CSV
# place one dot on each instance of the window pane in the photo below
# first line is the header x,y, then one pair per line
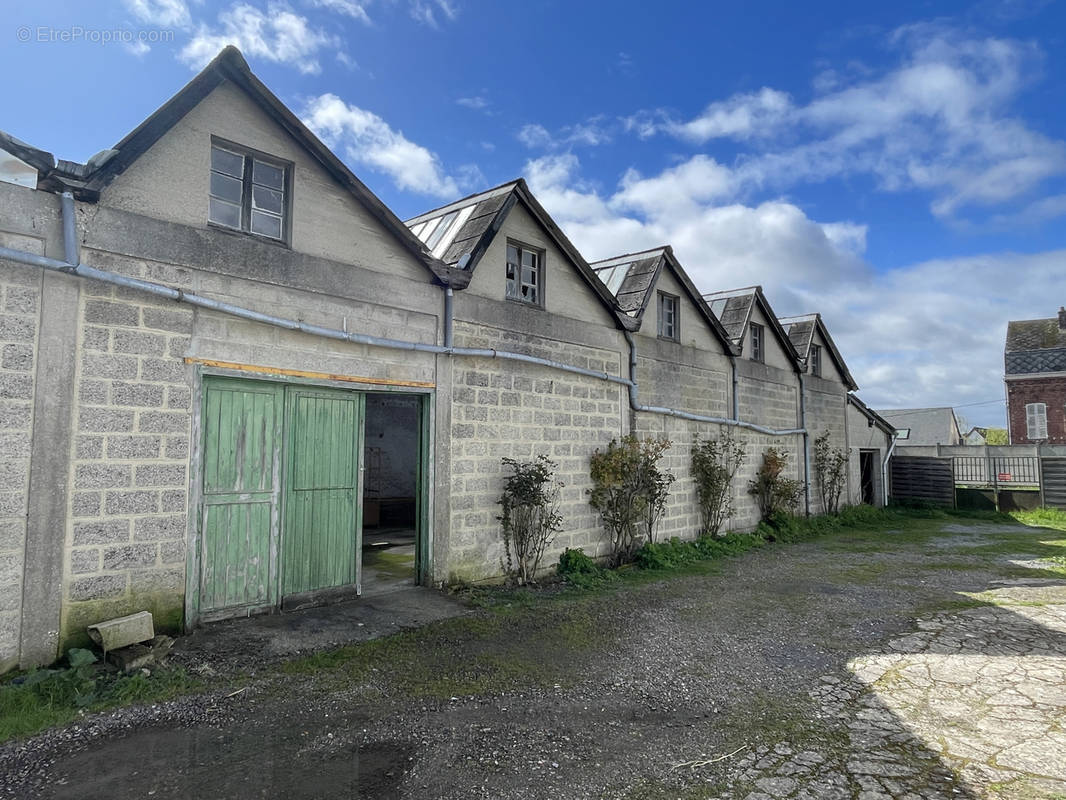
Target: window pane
x,y
226,188
266,224
266,199
529,259
512,254
224,213
528,275
225,161
512,287
268,175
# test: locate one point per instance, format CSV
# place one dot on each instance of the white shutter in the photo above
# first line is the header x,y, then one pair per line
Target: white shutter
x,y
1036,421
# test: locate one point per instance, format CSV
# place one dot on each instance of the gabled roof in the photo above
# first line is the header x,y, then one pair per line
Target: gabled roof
x,y
630,278
86,181
733,308
926,426
801,330
872,415
1036,345
460,233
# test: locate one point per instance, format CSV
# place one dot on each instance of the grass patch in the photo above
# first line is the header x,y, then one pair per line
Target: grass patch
x,y
1042,518
40,699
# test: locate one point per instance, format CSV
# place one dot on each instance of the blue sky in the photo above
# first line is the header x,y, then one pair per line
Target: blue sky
x,y
900,167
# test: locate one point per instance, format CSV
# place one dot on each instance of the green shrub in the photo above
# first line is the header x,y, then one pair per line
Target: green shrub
x,y
530,517
629,492
831,471
575,562
773,493
714,465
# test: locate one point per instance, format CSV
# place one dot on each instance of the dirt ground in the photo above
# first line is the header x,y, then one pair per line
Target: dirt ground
x,y
923,662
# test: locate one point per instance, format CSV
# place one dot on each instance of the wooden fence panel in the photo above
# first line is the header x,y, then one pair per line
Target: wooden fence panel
x,y
1054,475
923,478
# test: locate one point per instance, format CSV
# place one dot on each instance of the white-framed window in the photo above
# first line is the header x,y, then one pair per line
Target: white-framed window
x,y
669,321
249,192
1036,420
525,274
816,360
903,433
758,342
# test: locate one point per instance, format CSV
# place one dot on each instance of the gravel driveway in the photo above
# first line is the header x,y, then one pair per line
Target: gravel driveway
x,y
926,662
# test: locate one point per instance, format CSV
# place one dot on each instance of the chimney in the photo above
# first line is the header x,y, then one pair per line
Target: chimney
x,y
1062,318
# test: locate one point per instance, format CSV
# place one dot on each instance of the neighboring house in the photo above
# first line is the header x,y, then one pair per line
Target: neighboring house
x,y
826,384
923,427
228,370
976,437
1034,362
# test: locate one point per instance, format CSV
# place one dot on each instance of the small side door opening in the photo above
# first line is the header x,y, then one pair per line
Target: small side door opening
x,y
391,507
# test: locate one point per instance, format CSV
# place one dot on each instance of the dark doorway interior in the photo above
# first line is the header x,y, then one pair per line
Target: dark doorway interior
x,y
866,476
390,490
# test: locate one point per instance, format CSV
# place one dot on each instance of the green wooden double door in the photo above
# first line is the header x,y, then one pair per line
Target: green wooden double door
x,y
281,496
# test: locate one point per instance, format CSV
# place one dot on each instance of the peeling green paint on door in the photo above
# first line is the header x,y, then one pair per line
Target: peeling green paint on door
x,y
242,437
321,541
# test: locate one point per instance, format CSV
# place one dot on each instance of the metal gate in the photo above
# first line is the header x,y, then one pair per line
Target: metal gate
x,y
281,495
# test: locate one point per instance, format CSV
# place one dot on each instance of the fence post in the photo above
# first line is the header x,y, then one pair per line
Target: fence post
x,y
991,462
1040,473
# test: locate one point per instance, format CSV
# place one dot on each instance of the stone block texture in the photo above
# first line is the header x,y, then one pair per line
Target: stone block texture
x,y
20,294
130,450
509,409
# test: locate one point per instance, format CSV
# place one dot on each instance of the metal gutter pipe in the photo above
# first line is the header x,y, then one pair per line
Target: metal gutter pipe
x,y
673,412
884,470
70,229
449,312
181,296
736,398
806,448
73,267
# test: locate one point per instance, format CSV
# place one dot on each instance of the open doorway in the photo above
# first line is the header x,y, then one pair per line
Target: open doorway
x,y
391,458
867,476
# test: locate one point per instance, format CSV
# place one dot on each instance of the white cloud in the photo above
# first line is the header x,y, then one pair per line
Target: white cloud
x,y
939,121
366,139
477,103
590,133
348,8
163,13
277,34
428,11
741,116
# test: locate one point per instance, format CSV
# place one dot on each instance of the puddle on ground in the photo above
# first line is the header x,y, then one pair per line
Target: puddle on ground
x,y
297,761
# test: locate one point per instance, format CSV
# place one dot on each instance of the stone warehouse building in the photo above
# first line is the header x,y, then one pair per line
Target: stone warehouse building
x,y
233,381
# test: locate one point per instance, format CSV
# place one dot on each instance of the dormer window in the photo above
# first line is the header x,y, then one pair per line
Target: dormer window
x,y
816,360
525,274
757,342
249,192
668,321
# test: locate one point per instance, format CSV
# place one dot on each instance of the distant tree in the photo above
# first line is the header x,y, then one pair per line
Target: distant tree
x,y
996,436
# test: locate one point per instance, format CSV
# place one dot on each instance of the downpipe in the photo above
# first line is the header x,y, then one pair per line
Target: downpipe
x,y
884,470
806,448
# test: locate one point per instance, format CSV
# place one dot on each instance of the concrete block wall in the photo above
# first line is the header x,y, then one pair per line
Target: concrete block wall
x,y
509,409
20,294
130,468
826,405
